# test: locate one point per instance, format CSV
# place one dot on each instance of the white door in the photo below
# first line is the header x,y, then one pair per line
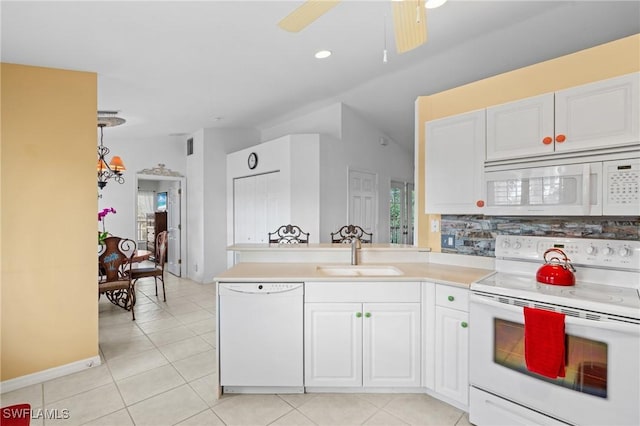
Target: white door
x,y
452,354
174,230
521,128
454,164
363,200
391,344
256,212
333,344
599,115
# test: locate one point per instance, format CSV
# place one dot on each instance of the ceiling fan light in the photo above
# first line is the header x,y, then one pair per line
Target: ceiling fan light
x,y
432,4
322,54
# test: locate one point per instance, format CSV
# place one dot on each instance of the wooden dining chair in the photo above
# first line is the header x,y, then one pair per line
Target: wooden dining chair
x,y
348,232
115,257
157,271
289,234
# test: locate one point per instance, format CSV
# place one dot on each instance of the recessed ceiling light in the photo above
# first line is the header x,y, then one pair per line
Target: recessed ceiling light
x,y
321,54
432,4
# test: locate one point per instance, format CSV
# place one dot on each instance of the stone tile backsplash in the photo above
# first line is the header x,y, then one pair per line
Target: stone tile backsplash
x,y
476,235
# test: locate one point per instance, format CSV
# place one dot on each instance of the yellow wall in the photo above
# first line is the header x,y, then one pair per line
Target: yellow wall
x,y
48,225
597,63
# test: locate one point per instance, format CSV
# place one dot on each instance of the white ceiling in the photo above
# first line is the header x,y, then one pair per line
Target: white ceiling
x,y
173,67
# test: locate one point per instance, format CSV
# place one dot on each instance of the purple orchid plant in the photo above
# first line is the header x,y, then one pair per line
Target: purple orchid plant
x,y
101,215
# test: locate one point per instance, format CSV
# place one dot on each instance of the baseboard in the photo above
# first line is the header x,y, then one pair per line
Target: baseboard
x,y
49,374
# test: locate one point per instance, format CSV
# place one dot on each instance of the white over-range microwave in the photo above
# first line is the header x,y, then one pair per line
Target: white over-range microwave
x,y
597,188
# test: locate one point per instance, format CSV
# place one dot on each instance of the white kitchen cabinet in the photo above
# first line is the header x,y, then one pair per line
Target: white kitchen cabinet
x,y
333,344
452,343
599,115
353,338
368,344
454,164
521,128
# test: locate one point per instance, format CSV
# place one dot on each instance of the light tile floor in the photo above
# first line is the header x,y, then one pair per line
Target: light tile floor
x,y
160,370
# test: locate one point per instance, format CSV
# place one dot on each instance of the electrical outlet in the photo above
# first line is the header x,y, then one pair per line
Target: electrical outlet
x,y
448,241
435,225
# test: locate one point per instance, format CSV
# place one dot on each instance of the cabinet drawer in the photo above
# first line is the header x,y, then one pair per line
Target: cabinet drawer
x,y
350,291
452,297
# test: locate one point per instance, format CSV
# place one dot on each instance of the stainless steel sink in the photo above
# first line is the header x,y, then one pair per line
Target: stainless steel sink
x,y
359,270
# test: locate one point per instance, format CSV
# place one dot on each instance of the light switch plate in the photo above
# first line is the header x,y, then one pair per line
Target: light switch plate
x,y
435,225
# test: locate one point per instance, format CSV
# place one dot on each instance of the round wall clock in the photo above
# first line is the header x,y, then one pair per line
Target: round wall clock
x,y
253,160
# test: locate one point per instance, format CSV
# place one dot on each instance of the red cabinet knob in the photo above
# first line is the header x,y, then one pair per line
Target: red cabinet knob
x,y
480,203
561,138
547,140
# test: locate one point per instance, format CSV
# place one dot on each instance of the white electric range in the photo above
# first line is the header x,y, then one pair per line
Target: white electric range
x,y
602,329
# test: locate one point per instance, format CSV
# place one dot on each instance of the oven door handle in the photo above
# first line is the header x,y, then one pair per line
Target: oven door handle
x,y
620,326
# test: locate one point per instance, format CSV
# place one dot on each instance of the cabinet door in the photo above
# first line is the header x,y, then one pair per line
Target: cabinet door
x,y
452,354
521,128
333,344
599,115
391,344
454,163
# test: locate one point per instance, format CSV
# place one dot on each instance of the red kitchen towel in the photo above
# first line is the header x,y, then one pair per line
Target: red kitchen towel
x,y
544,342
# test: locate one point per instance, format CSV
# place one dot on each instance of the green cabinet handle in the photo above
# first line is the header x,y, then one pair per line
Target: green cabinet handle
x,y
464,324
451,298
368,314
358,314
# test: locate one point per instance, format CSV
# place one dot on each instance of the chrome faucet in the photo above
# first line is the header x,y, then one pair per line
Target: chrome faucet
x,y
355,245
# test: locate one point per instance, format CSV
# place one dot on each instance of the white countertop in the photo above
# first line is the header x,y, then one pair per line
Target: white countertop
x,y
324,246
287,272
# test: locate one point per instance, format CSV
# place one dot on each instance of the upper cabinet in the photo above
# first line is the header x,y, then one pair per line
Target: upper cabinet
x,y
598,115
454,163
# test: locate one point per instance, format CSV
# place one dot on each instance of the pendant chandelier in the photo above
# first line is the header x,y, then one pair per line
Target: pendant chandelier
x,y
113,169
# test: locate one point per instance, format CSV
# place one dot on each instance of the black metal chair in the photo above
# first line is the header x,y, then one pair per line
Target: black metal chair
x,y
348,232
115,257
289,234
157,271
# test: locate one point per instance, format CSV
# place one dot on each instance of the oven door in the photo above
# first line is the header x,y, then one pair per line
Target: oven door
x,y
602,373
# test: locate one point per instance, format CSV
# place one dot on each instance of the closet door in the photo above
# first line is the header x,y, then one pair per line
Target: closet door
x,y
256,207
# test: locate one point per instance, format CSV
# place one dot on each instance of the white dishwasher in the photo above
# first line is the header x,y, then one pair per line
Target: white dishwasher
x,y
261,337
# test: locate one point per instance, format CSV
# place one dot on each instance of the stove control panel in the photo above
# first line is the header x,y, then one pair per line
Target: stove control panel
x,y
619,254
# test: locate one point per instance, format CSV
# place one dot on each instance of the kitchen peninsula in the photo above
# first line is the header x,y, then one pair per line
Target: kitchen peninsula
x,y
302,318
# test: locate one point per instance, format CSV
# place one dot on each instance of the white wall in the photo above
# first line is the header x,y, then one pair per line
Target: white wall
x,y
326,120
349,141
364,151
217,143
296,158
195,209
206,199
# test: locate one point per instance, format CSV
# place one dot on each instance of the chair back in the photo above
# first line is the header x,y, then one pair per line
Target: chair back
x,y
348,232
289,234
161,248
114,258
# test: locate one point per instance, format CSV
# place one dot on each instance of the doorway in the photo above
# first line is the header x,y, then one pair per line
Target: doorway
x,y
401,204
151,195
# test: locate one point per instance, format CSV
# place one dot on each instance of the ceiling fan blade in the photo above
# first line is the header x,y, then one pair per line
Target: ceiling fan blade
x,y
308,12
409,24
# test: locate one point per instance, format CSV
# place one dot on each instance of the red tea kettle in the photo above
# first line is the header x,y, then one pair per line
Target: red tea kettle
x,y
556,271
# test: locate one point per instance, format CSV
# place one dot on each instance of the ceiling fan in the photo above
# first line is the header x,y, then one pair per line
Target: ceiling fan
x,y
409,20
